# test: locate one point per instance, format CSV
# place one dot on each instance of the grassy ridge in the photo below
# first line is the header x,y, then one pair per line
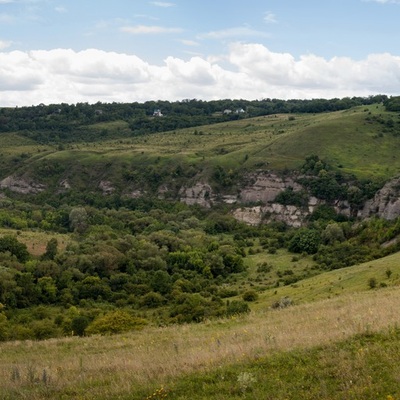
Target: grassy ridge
x,y
358,140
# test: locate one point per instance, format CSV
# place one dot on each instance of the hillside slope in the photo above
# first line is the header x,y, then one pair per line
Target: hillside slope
x,y
363,141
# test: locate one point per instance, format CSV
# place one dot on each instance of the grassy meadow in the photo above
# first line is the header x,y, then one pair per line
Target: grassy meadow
x,y
343,345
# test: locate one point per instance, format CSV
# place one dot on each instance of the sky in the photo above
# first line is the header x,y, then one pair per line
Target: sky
x,y
70,51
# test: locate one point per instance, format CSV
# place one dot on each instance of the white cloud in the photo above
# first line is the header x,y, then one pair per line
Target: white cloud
x,y
148,29
249,71
4,44
189,43
61,9
270,18
162,4
145,16
6,1
237,33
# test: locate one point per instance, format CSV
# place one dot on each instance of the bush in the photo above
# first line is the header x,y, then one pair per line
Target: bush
x,y
237,307
264,267
282,303
79,324
289,197
227,292
305,240
115,322
372,283
272,250
3,328
152,300
45,329
250,295
11,244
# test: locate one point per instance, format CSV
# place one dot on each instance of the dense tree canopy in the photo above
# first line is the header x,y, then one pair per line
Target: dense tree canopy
x,y
58,123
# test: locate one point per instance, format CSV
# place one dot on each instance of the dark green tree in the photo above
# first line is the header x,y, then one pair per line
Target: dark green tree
x,y
305,240
11,244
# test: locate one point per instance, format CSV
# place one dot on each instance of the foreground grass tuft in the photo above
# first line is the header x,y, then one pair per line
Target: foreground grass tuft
x,y
363,367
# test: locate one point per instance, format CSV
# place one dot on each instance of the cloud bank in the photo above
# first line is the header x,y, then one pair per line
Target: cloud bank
x,y
248,71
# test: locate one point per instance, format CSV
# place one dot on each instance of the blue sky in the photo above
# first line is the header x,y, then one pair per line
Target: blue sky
x,y
70,51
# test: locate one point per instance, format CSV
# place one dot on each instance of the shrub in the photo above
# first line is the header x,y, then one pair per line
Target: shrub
x,y
272,250
305,240
45,329
115,322
152,300
264,267
79,324
3,328
227,292
11,244
250,295
289,197
282,303
237,307
372,282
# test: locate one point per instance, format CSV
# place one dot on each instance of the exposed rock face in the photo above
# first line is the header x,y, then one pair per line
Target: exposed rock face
x,y
65,184
107,187
135,194
162,191
343,207
200,193
249,215
263,188
21,185
266,187
290,215
386,202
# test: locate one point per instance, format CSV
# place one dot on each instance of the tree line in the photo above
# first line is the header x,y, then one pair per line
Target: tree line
x,y
58,123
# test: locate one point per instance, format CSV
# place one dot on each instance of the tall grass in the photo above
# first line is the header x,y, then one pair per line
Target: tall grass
x,y
120,366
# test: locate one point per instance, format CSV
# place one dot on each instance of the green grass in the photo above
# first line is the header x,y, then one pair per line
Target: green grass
x,y
339,282
343,138
346,347
364,367
340,340
350,140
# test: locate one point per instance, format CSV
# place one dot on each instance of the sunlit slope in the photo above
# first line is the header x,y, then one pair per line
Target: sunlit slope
x,y
385,272
364,141
352,140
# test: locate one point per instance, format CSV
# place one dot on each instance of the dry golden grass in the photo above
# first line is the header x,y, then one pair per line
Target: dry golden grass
x,y
36,241
117,364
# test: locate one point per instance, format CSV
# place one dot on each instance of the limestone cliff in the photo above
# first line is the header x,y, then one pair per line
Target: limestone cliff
x,y
386,202
21,185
